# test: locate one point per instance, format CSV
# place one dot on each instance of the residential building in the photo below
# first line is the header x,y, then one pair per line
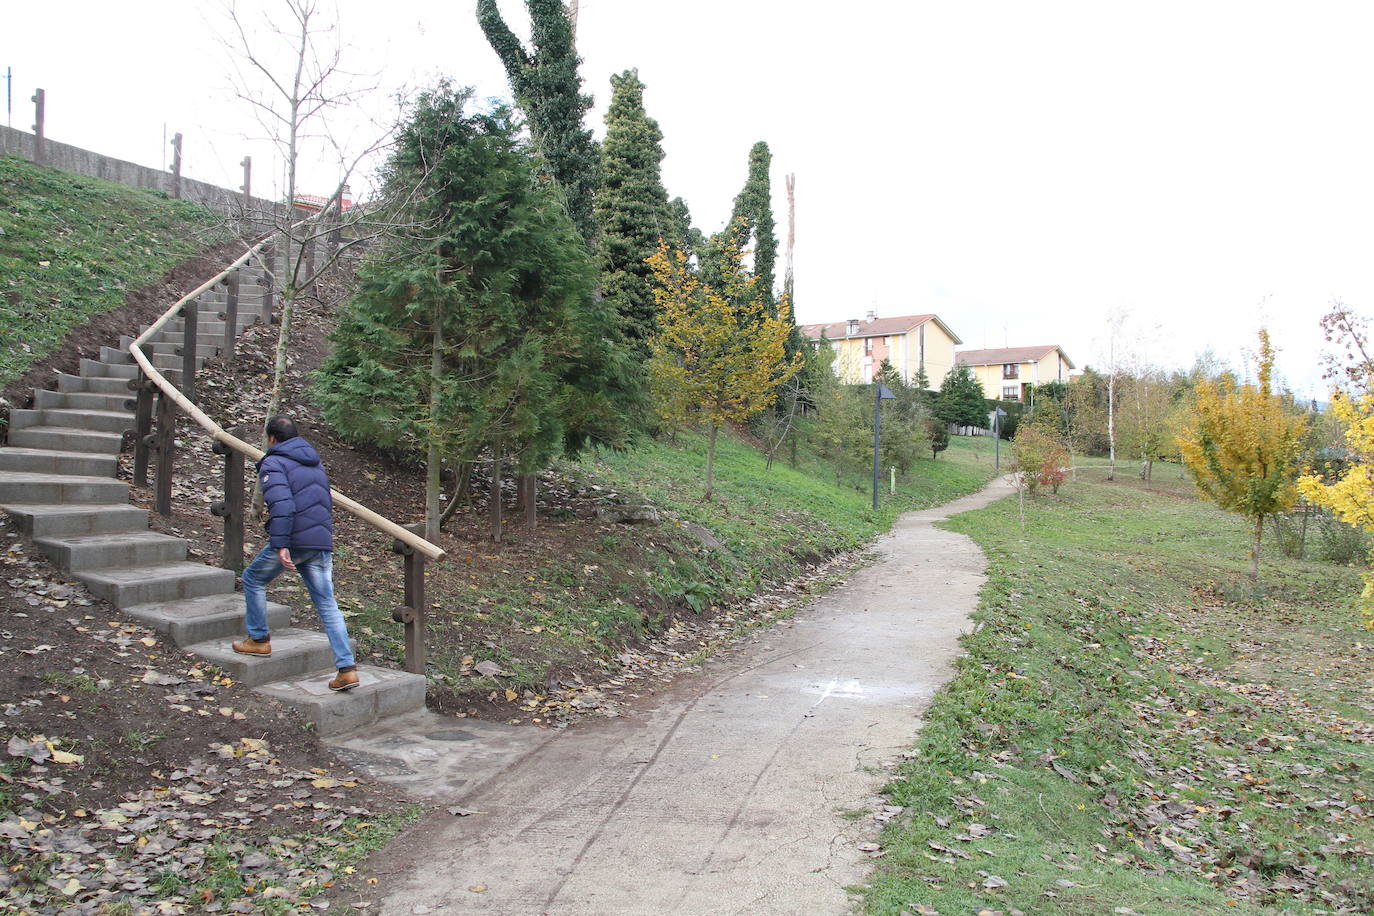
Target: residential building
x,y
909,342
1009,373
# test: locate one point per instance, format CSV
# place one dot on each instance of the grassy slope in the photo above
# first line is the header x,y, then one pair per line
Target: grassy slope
x,y
571,597
770,519
1130,728
71,247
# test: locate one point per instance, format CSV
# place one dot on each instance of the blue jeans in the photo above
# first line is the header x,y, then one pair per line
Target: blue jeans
x,y
317,570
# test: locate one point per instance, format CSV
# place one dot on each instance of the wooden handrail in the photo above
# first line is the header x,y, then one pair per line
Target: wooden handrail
x,y
385,525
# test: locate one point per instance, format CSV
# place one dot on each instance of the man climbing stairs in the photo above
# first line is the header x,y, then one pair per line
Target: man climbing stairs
x,y
58,482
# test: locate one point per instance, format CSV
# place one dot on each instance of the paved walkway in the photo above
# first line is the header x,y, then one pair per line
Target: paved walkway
x,y
728,797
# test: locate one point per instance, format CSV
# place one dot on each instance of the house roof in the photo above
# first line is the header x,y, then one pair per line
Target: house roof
x,y
316,202
1006,355
878,327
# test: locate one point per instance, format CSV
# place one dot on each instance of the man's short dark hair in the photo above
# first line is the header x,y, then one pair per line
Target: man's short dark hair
x,y
281,429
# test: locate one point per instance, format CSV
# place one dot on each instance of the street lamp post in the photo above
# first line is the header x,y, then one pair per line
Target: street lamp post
x,y
880,393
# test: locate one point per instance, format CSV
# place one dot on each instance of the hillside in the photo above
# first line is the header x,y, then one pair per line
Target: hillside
x,y
563,609
1134,731
74,249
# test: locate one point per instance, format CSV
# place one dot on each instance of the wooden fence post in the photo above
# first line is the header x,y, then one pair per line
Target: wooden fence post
x,y
231,508
269,256
40,153
412,614
231,315
189,314
143,426
176,166
166,446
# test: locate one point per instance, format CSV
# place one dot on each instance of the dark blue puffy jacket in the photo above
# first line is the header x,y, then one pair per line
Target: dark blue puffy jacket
x,y
296,489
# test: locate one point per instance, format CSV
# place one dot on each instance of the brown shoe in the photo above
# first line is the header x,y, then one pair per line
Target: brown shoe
x,y
251,646
345,680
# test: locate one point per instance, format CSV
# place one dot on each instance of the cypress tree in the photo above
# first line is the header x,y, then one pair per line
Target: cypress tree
x,y
631,209
960,400
547,86
477,327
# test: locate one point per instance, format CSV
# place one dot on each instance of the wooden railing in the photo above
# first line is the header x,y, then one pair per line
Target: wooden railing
x,y
170,399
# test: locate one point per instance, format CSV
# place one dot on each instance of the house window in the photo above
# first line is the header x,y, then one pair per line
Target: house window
x,y
868,346
1010,393
1009,370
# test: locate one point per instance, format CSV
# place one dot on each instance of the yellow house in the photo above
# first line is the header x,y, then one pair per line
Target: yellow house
x,y
909,342
1009,373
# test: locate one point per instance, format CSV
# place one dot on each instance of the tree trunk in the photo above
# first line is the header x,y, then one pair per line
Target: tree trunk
x,y
1111,423
494,509
464,478
436,373
529,488
711,461
1302,540
463,493
1255,553
793,458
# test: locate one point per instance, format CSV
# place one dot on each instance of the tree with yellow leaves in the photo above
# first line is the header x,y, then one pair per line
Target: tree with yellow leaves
x,y
1242,445
1350,496
719,355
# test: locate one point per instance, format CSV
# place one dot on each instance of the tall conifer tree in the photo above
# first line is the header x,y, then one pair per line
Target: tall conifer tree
x,y
477,328
547,86
631,209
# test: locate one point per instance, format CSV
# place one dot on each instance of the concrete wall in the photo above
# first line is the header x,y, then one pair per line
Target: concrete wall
x,y
20,145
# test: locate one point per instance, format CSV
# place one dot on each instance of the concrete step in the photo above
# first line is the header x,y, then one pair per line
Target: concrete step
x,y
208,323
198,620
60,520
50,461
80,384
32,487
101,421
294,653
164,361
115,356
381,692
95,368
66,439
83,400
102,551
127,586
204,349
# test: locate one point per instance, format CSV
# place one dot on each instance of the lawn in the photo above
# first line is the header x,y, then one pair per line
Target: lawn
x,y
72,247
1134,731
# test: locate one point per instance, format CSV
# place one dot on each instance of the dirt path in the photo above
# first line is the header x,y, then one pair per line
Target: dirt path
x,y
730,796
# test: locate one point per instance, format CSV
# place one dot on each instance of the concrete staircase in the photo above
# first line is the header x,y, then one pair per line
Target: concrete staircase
x,y
58,484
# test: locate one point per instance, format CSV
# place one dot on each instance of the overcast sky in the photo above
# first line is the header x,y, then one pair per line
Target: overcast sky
x,y
1021,169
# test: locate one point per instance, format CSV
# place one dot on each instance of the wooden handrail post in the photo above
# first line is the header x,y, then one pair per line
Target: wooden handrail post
x,y
412,614
143,426
269,258
189,314
231,315
231,508
310,264
165,445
